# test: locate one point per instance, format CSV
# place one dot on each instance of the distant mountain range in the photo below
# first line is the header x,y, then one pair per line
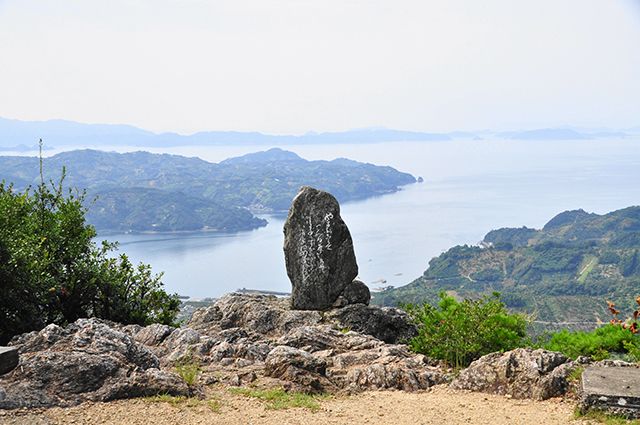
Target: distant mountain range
x,y
141,191
559,134
564,272
24,135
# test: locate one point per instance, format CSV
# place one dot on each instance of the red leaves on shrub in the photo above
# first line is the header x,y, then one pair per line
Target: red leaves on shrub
x,y
631,324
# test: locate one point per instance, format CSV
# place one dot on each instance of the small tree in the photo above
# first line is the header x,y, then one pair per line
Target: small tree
x,y
51,271
459,332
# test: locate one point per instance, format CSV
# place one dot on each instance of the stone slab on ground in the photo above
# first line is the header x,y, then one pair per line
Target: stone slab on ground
x,y
9,359
612,389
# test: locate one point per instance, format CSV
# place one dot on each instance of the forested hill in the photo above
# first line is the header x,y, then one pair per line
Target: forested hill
x,y
141,191
565,271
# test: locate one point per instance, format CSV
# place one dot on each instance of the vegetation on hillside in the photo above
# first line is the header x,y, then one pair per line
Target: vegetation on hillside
x,y
141,191
619,338
562,273
460,332
143,209
52,272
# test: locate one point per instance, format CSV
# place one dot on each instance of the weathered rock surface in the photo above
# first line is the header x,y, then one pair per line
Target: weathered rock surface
x,y
88,360
250,333
355,292
272,316
9,359
239,340
352,362
298,367
358,362
318,250
521,373
613,389
388,324
264,314
152,335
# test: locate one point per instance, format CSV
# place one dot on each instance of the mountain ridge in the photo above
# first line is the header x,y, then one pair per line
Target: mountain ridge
x,y
564,272
142,191
19,134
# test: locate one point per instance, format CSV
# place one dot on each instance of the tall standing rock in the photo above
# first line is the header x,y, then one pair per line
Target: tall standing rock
x,y
318,250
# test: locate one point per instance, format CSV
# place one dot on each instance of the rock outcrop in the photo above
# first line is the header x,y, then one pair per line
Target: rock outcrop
x,y
242,338
355,292
88,360
356,362
521,373
297,367
388,324
261,340
318,250
264,314
272,316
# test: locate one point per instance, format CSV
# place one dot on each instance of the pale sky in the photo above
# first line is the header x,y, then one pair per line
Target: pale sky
x,y
291,66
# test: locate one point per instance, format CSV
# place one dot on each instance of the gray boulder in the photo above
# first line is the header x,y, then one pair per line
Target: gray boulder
x,y
89,360
318,250
354,362
520,373
261,337
325,338
298,367
272,316
354,293
153,335
388,324
263,314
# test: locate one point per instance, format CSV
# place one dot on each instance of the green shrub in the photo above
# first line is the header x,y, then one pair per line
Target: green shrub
x,y
601,343
51,271
460,332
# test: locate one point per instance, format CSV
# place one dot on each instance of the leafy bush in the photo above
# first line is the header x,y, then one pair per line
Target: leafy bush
x,y
598,344
618,338
51,271
460,332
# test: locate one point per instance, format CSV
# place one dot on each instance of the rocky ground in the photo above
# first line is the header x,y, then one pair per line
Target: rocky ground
x,y
81,373
440,405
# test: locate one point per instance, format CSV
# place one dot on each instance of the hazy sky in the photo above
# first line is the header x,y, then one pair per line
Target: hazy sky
x,y
286,66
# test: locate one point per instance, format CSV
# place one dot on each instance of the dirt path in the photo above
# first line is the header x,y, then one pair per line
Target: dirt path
x,y
438,406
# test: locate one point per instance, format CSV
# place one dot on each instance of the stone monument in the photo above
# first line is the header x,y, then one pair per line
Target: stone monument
x,y
319,255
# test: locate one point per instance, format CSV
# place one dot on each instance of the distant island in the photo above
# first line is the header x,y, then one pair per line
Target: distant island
x,y
145,192
564,272
70,133
14,133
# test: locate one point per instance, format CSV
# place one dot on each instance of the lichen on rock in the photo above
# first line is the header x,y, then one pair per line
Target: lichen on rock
x,y
520,373
89,360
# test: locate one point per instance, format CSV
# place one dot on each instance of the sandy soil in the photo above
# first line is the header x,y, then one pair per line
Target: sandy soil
x,y
438,406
